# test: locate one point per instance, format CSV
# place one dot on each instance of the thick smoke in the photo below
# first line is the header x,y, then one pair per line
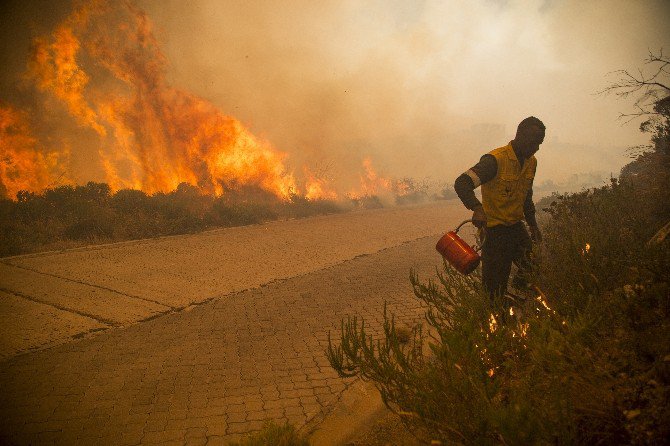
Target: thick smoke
x,y
423,88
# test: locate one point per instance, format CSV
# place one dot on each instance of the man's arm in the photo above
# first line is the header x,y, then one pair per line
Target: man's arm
x,y
482,172
529,214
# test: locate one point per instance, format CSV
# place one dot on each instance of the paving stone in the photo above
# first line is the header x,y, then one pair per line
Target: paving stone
x,y
27,324
163,436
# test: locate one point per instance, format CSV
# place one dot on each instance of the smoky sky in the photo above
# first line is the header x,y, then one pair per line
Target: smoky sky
x,y
423,88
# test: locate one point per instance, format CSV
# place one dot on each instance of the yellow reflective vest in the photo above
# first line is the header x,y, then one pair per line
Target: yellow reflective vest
x,y
503,197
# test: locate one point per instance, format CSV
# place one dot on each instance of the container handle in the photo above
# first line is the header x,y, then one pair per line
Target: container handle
x,y
459,226
481,234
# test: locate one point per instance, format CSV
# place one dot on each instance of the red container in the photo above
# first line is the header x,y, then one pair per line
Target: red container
x,y
459,254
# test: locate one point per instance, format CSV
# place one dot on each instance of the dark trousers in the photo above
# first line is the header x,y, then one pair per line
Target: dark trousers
x,y
503,246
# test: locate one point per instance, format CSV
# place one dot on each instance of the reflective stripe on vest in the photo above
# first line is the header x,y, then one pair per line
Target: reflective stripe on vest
x,y
503,197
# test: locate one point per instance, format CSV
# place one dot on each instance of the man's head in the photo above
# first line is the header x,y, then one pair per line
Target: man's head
x,y
529,136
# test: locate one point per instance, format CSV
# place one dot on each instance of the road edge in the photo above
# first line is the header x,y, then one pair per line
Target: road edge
x,y
358,407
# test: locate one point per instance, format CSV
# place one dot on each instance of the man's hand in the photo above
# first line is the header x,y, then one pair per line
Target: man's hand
x,y
479,217
535,234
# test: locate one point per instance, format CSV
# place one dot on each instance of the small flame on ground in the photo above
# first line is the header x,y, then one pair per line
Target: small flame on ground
x,y
493,323
371,183
523,329
374,184
542,301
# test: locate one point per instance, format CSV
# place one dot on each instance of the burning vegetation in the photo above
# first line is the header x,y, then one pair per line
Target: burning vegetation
x,y
102,68
151,135
168,161
22,165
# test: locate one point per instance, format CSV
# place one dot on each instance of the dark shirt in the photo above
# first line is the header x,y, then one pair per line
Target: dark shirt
x,y
486,170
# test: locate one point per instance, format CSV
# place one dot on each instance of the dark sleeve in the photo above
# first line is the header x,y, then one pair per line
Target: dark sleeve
x,y
465,189
529,208
484,171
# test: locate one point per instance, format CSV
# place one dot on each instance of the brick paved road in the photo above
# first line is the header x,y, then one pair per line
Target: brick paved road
x,y
49,298
208,373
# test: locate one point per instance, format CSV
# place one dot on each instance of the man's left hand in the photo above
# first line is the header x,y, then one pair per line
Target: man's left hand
x,y
535,234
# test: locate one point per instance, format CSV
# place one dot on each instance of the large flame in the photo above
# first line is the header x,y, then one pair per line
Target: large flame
x,y
102,66
153,136
23,166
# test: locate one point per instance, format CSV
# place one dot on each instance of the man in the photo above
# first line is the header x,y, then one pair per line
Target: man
x,y
506,176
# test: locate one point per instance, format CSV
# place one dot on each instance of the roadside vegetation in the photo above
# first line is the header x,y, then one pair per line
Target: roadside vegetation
x,y
584,355
68,216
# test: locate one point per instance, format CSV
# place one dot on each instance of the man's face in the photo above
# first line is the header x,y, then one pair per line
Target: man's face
x,y
529,140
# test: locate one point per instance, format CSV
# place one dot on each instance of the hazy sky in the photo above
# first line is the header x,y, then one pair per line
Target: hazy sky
x,y
422,87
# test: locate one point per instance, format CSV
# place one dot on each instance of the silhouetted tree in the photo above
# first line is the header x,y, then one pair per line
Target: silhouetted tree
x,y
652,88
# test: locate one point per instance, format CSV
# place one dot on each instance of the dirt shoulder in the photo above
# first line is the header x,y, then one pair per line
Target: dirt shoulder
x,y
360,419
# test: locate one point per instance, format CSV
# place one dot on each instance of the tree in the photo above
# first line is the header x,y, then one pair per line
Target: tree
x,y
652,88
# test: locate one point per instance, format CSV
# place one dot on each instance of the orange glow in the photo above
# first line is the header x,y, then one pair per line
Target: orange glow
x,y
103,66
544,303
22,165
493,323
372,183
53,66
152,136
317,188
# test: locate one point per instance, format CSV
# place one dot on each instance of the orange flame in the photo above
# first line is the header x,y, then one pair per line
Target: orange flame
x,y
371,182
22,165
317,187
54,68
105,66
153,136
